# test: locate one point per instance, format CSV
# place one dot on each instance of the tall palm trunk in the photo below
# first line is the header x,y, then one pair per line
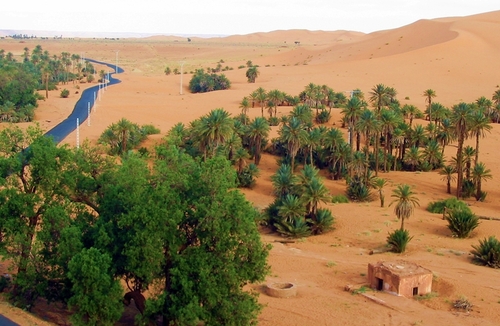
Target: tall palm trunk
x,y
460,167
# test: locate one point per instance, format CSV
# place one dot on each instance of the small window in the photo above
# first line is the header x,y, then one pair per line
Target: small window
x,y
415,291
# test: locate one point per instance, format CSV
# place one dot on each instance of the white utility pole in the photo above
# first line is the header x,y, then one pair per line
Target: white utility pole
x,y
182,73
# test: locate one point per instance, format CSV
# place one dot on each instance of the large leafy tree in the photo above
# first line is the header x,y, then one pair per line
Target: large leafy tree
x,y
184,228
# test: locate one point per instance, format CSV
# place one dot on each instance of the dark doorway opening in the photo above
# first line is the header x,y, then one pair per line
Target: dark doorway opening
x,y
415,291
380,284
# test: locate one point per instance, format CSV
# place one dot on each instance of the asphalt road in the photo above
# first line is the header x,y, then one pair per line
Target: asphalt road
x,y
67,126
4,321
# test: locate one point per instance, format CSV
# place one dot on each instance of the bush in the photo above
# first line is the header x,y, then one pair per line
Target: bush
x,y
452,203
323,117
246,179
323,222
398,240
468,189
357,190
487,252
273,121
202,82
461,223
296,229
340,199
64,93
150,130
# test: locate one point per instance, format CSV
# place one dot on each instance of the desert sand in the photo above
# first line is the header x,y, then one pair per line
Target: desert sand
x,y
456,57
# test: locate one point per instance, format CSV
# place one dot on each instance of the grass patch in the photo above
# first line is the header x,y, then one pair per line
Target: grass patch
x,y
362,289
427,296
331,264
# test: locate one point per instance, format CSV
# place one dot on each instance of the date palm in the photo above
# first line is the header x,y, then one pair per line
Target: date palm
x,y
445,134
461,120
260,95
244,105
240,157
314,141
479,126
432,154
257,130
410,111
352,111
448,175
379,96
284,181
215,128
429,94
314,193
405,201
412,158
496,97
275,96
294,135
468,153
252,74
291,208
379,184
479,174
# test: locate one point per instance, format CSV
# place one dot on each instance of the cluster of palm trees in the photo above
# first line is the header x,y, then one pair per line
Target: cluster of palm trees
x,y
315,96
54,69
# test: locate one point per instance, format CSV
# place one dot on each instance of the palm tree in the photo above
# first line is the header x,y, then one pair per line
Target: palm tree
x,y
480,174
410,111
240,157
412,158
368,124
405,200
215,128
314,193
294,134
123,127
314,141
468,153
304,113
429,94
448,174
432,154
445,134
379,184
379,96
261,96
252,74
496,97
244,105
418,136
352,111
291,208
389,120
439,113
275,96
284,181
479,125
258,130
460,118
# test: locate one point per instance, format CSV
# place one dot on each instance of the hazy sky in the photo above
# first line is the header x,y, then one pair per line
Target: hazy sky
x,y
229,16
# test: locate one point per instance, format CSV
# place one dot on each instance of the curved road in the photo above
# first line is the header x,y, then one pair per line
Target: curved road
x,y
68,125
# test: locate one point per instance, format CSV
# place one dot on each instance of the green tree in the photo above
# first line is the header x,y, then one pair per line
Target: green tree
x,y
461,120
294,135
405,201
215,128
379,185
244,105
429,94
257,131
252,74
448,175
97,298
479,125
284,181
479,174
379,96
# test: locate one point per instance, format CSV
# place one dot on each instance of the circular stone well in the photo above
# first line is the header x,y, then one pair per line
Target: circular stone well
x,y
281,290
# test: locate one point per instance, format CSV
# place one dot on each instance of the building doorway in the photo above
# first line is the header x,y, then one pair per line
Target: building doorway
x,y
380,284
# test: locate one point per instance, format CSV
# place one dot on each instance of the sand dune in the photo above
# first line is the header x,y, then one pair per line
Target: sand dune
x,y
457,57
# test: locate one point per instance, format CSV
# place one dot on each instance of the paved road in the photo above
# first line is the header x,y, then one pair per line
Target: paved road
x,y
67,126
6,322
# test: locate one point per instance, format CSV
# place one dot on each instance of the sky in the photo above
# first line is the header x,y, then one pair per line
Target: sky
x,y
228,17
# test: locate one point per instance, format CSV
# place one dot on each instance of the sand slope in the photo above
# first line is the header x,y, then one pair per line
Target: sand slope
x,y
457,57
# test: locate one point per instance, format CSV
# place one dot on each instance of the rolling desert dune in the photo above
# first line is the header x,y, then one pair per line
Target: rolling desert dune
x,y
456,57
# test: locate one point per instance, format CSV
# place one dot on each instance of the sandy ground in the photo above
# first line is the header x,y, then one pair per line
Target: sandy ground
x,y
457,57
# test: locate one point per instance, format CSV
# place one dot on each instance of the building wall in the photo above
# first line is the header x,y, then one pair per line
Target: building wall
x,y
399,285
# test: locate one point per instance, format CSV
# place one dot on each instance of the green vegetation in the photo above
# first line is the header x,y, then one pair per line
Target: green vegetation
x,y
452,203
461,223
252,74
202,82
487,252
124,135
398,240
83,222
64,93
340,199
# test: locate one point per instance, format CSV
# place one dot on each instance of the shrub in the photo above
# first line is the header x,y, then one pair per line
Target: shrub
x,y
246,179
340,199
461,223
202,82
468,189
298,228
451,203
398,240
168,71
487,252
273,121
323,222
150,130
64,93
357,190
323,117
